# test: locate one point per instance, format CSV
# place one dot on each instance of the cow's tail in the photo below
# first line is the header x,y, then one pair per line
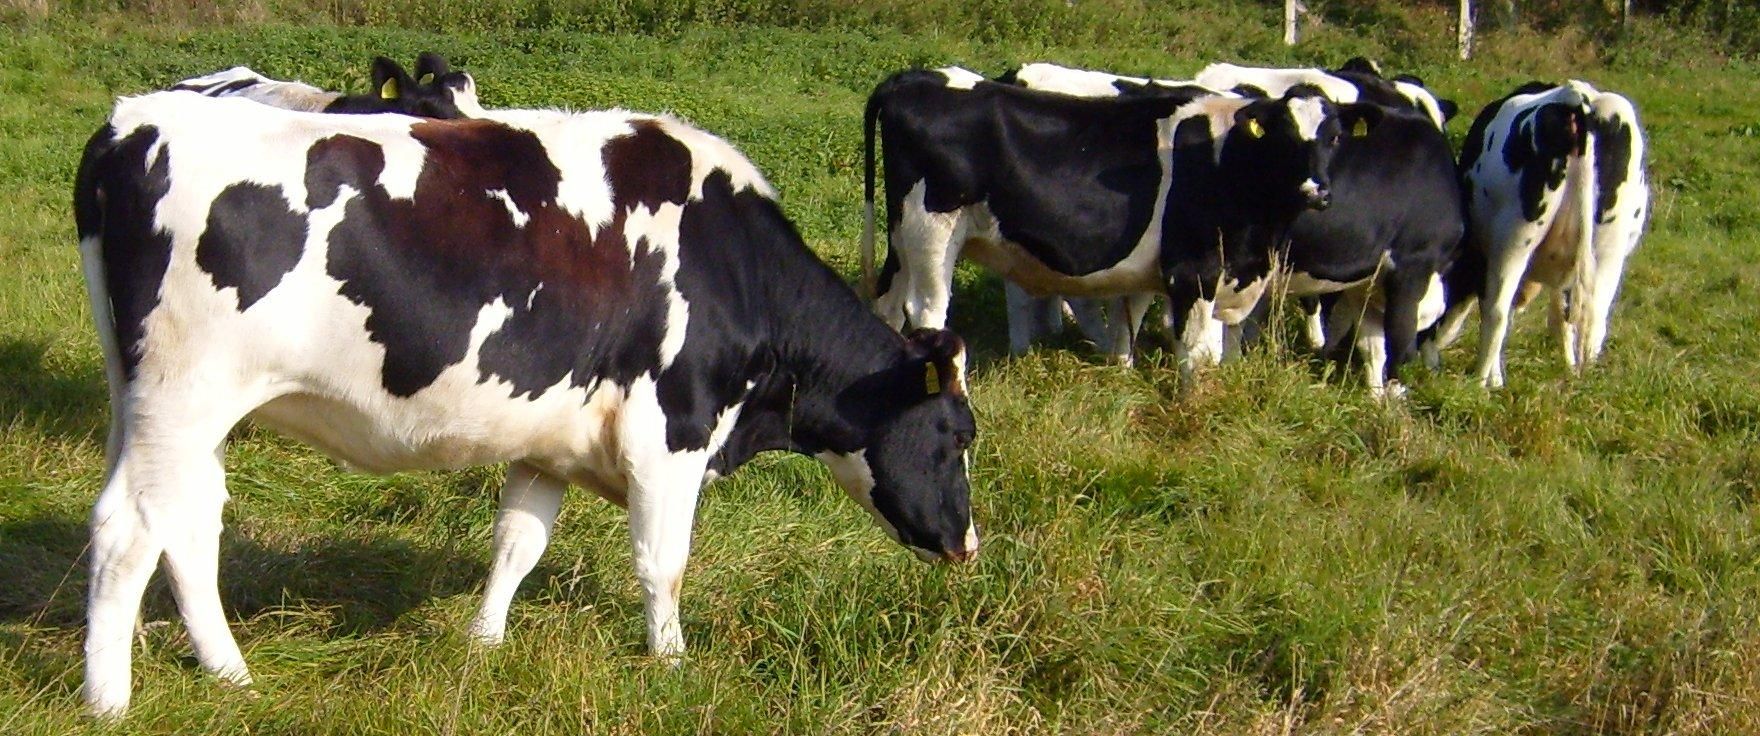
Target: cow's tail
x,y
88,216
870,123
1581,176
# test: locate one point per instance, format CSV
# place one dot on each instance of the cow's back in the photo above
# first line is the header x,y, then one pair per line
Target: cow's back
x,y
406,293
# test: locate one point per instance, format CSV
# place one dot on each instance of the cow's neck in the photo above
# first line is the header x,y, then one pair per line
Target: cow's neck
x,y
830,369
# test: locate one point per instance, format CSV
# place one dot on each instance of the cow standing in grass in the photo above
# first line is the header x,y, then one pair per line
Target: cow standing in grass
x,y
605,299
1396,219
1557,196
1185,196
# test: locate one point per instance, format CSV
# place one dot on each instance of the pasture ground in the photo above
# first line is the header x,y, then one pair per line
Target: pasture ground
x,y
1272,553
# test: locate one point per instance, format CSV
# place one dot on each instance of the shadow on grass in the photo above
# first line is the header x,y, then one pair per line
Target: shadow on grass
x,y
70,405
363,584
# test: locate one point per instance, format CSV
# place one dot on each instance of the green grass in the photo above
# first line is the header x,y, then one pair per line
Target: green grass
x,y
1271,552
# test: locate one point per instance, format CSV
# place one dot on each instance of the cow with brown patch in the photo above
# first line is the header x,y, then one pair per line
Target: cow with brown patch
x,y
602,299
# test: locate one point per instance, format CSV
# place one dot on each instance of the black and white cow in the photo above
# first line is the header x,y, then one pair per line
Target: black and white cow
x,y
606,299
1110,323
1557,197
436,90
1182,195
1396,220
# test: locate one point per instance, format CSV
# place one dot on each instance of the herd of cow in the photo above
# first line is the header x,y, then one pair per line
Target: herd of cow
x,y
613,299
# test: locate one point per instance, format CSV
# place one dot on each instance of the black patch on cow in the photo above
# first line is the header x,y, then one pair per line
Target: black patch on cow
x,y
116,194
338,160
710,373
219,90
1250,90
1613,156
1541,142
252,240
1476,143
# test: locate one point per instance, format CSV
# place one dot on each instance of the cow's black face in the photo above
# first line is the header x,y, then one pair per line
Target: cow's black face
x,y
918,455
1281,150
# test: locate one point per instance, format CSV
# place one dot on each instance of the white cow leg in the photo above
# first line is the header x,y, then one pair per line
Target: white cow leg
x,y
1314,324
1558,322
192,558
530,501
123,557
662,506
1608,270
163,497
1120,329
1501,284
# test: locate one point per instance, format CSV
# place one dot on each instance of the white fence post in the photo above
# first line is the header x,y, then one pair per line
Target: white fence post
x,y
1466,29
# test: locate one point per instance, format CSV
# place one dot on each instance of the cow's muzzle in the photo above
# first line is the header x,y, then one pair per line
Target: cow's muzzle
x,y
1316,196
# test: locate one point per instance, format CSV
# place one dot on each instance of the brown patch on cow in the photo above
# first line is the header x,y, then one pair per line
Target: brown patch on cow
x,y
647,167
426,267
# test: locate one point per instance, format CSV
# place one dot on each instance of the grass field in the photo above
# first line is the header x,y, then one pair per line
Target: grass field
x,y
1273,552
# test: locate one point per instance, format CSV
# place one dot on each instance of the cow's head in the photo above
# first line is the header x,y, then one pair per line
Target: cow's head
x,y
439,80
911,474
434,92
1282,149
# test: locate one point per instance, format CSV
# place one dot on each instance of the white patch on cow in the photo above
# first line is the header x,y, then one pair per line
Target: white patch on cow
x,y
519,218
852,473
1275,82
1308,113
709,153
532,298
1309,188
1067,81
958,78
464,96
1424,100
1219,114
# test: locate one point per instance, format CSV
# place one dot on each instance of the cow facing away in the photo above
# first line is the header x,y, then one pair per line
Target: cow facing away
x,y
603,299
435,91
1557,198
1077,196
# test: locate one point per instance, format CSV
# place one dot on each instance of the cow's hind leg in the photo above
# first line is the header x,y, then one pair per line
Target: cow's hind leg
x,y
164,497
530,500
1609,267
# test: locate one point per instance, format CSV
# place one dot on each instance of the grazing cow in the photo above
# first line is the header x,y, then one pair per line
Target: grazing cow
x,y
1183,195
436,91
1396,220
606,299
1557,197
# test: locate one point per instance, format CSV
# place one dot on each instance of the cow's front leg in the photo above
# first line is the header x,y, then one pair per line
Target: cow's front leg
x,y
662,490
662,507
1197,333
530,500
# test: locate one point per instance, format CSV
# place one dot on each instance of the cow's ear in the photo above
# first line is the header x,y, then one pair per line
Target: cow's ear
x,y
1361,65
1448,108
389,79
430,66
1359,118
943,367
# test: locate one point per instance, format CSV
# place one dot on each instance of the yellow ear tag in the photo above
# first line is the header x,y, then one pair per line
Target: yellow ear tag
x,y
931,379
1254,129
426,79
1359,128
388,90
